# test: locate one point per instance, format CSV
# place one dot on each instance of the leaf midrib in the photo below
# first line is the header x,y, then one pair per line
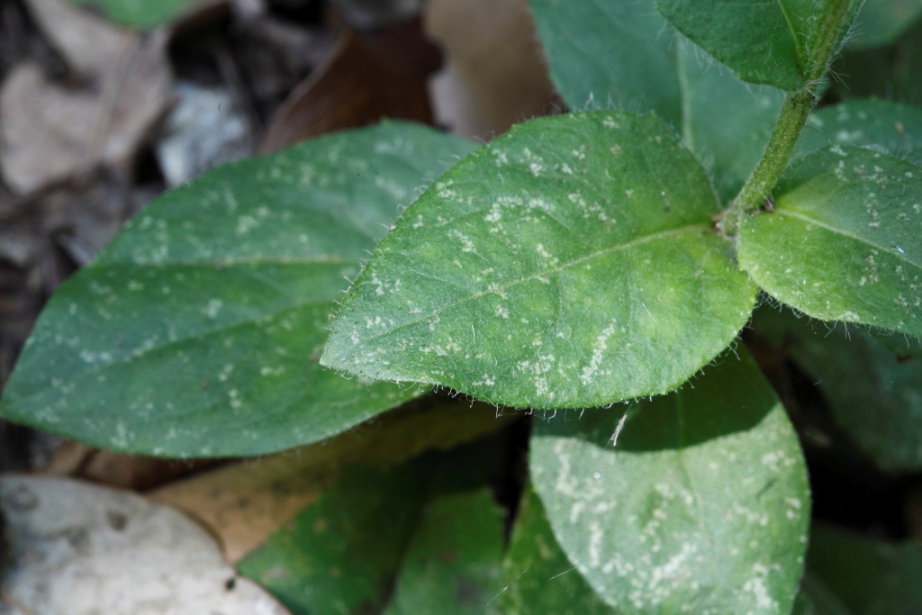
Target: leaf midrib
x,y
698,226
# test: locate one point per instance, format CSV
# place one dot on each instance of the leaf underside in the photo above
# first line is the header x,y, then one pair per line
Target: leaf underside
x,y
196,332
700,503
843,240
569,263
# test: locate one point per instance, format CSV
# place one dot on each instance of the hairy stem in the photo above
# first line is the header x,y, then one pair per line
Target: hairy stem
x,y
791,120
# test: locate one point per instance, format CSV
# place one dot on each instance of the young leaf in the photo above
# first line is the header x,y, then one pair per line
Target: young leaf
x,y
341,553
622,56
883,125
569,263
452,563
774,42
843,240
872,382
192,333
537,576
699,501
870,577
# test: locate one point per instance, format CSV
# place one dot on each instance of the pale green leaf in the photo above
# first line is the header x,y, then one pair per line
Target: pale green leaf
x,y
571,262
882,21
763,41
452,564
871,382
610,53
887,126
869,577
843,240
537,576
699,502
196,332
140,13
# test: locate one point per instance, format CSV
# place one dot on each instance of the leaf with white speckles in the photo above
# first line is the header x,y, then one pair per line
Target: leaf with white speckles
x,y
699,504
843,240
724,121
196,331
887,126
763,41
571,262
537,576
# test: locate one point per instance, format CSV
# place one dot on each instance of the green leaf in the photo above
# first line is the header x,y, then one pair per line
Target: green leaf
x,y
872,382
140,14
885,126
763,41
610,53
452,563
882,21
537,576
892,72
341,553
700,503
196,331
870,577
843,240
569,263
725,122
817,599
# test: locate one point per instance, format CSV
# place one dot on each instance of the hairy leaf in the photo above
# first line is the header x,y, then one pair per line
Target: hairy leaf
x,y
537,576
763,41
610,53
571,262
197,330
698,501
452,563
872,382
869,577
892,128
843,240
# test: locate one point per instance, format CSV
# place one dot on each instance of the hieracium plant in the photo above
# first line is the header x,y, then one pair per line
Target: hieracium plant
x,y
613,254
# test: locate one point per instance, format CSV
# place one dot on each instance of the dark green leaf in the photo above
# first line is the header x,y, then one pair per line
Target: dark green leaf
x,y
872,382
870,577
341,553
197,330
893,72
763,41
452,563
700,503
886,126
537,576
817,599
725,121
140,14
571,262
610,53
843,240
882,21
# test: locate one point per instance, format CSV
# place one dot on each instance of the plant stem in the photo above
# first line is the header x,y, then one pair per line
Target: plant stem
x,y
791,120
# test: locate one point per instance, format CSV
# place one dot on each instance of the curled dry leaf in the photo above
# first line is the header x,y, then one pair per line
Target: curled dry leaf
x,y
82,549
120,87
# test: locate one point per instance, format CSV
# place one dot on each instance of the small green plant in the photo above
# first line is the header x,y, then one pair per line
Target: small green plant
x,y
577,262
